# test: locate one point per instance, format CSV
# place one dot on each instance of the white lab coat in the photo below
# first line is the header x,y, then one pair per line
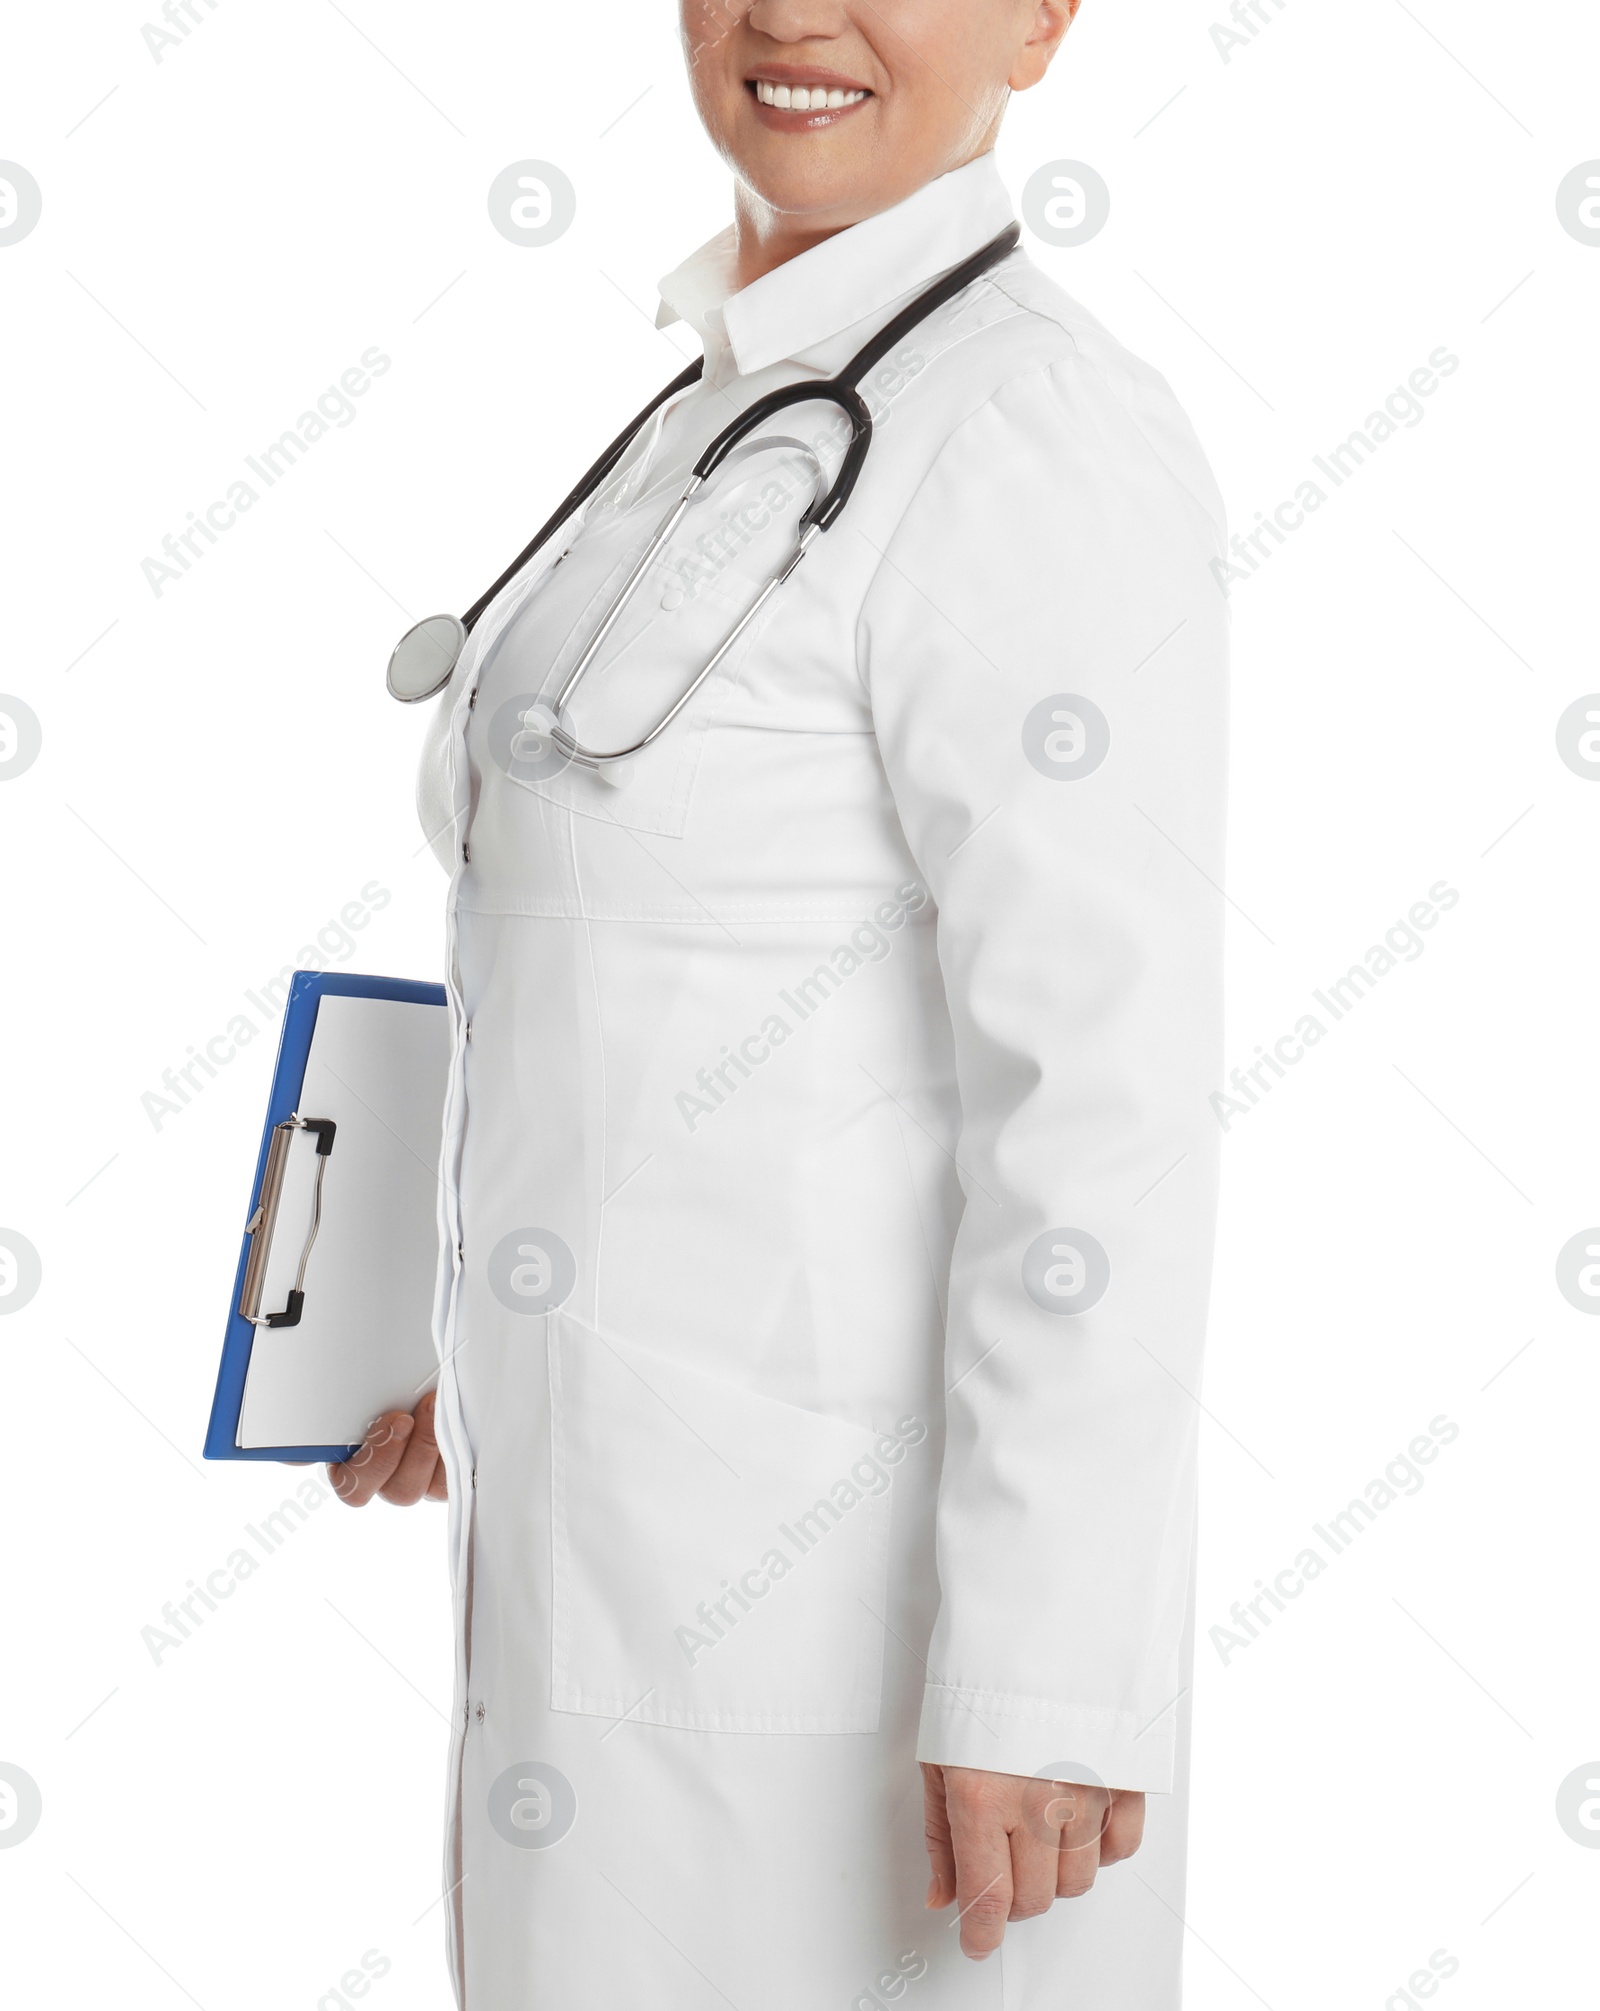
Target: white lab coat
x,y
828,1172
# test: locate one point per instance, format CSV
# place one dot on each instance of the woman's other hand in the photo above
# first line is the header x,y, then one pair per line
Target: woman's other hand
x,y
398,1458
1004,1846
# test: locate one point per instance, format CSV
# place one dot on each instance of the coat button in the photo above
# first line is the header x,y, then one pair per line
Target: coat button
x,y
483,1712
466,855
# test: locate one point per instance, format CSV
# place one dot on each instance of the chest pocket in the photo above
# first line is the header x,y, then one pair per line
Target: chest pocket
x,y
732,540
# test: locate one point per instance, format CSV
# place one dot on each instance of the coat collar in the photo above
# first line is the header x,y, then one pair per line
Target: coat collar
x,y
838,284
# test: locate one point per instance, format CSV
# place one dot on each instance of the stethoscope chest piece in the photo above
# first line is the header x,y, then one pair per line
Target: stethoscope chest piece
x,y
425,657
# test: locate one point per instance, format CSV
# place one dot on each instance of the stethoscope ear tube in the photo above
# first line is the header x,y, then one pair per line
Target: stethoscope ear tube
x,y
576,499
827,391
822,512
425,658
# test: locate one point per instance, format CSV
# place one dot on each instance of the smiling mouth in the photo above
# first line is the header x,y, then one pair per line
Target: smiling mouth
x,y
805,99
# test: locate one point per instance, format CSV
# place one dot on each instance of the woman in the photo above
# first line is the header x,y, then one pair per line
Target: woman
x,y
828,1177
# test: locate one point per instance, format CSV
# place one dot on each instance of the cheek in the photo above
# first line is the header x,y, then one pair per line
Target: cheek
x,y
945,68
712,72
707,28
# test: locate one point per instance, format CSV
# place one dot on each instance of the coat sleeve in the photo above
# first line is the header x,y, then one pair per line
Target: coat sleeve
x,y
1044,645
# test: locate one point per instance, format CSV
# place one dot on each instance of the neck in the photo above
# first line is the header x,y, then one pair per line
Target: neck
x,y
765,238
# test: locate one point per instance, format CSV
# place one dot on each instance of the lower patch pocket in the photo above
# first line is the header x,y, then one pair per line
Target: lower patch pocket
x,y
719,1558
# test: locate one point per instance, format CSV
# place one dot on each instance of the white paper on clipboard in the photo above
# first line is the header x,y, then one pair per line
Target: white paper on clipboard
x,y
364,1343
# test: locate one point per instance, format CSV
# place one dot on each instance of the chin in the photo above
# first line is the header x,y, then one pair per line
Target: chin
x,y
811,178
818,194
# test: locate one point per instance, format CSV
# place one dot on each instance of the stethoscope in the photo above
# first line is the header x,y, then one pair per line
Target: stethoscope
x,y
426,655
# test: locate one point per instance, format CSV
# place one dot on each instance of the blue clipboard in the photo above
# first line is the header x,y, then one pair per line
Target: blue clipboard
x,y
307,990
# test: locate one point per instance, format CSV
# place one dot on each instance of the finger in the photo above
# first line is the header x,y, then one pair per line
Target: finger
x,y
1035,1859
357,1479
936,1834
1078,1815
408,1483
983,1867
439,1487
1124,1830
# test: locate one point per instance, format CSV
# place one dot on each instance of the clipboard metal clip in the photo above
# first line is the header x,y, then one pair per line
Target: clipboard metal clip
x,y
264,1221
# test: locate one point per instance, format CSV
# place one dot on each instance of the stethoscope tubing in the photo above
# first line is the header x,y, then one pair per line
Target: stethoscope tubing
x,y
865,358
840,390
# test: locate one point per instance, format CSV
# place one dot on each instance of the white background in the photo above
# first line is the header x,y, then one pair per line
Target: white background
x,y
1292,232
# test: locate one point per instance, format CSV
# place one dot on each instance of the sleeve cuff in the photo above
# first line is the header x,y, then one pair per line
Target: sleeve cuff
x,y
1005,1734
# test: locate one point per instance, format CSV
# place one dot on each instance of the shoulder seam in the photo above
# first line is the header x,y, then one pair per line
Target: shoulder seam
x,y
999,280
1029,370
1106,378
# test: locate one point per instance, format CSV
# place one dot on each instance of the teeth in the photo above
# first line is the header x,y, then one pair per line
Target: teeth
x,y
798,98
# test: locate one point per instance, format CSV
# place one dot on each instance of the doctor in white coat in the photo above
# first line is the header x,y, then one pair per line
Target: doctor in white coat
x,y
828,1179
